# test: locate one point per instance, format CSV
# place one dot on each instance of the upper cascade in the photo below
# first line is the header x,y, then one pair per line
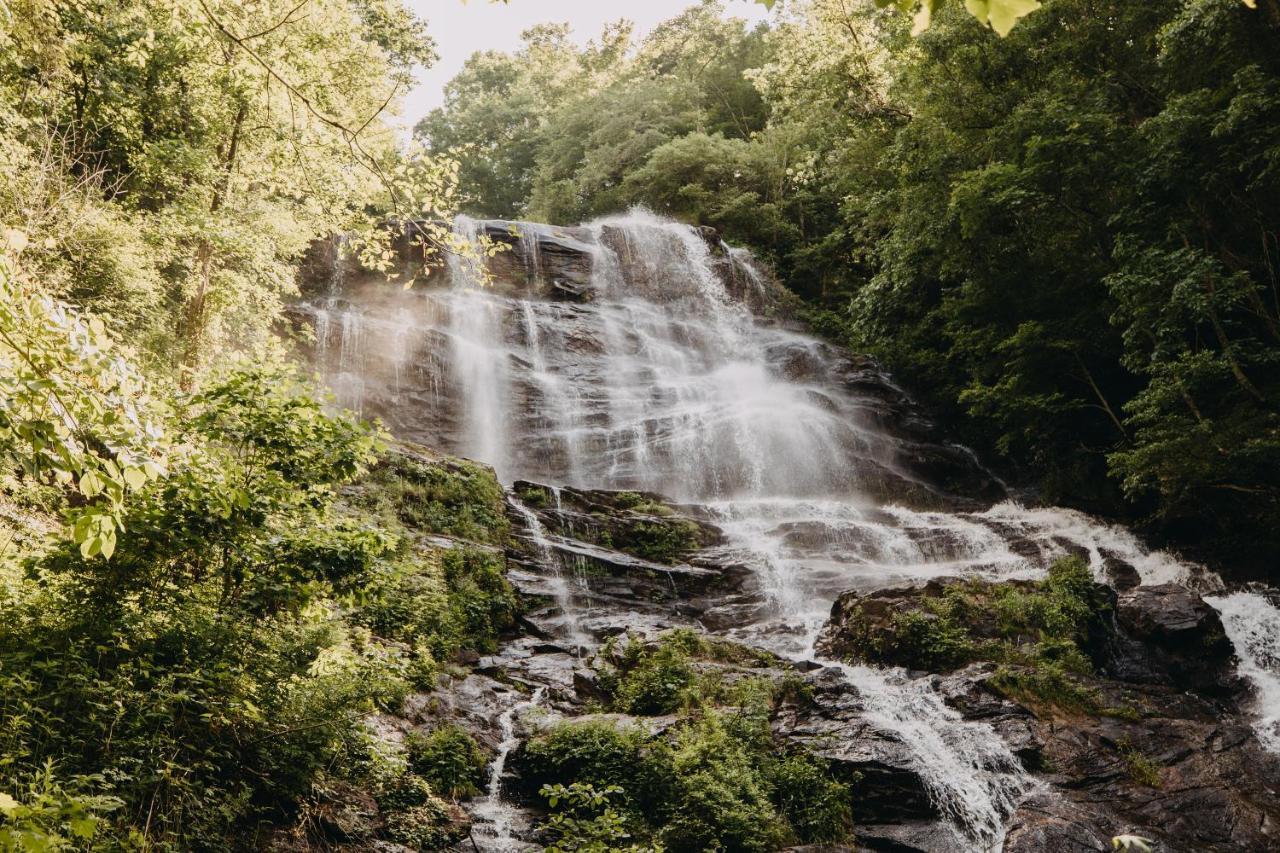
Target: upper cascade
x,y
633,352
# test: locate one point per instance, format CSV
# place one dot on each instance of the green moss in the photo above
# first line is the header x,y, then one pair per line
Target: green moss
x,y
1038,632
1141,768
534,497
659,540
440,495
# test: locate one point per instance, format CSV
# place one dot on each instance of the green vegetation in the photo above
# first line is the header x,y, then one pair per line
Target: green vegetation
x,y
1020,623
1062,240
1039,632
213,675
1141,768
451,497
449,760
713,780
584,819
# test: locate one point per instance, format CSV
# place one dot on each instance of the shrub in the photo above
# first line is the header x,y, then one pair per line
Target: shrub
x,y
718,798
449,759
656,683
816,806
583,820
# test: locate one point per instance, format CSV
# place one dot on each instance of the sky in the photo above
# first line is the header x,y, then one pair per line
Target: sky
x,y
461,28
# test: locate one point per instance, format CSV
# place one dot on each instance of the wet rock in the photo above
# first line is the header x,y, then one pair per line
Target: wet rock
x,y
1121,575
908,837
832,727
1046,822
1179,638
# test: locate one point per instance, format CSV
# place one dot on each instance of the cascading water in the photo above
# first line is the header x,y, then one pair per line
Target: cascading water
x,y
496,819
660,379
559,584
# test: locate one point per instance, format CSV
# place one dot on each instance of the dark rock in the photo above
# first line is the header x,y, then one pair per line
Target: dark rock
x,y
1121,575
347,813
1179,638
832,727
1047,822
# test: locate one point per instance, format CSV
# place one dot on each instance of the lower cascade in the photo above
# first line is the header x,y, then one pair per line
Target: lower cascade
x,y
635,383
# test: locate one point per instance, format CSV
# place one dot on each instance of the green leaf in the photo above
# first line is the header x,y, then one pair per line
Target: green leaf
x,y
90,483
7,803
1001,14
83,827
136,478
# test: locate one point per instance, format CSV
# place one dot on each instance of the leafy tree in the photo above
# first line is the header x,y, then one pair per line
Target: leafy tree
x,y
73,410
218,139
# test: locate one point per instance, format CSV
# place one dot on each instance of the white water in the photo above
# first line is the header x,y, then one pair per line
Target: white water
x,y
664,382
550,560
496,820
1253,625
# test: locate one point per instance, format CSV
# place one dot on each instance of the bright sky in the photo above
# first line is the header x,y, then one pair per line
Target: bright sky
x,y
461,28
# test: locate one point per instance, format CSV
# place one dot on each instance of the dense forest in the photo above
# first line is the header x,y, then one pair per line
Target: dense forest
x,y
1065,239
219,591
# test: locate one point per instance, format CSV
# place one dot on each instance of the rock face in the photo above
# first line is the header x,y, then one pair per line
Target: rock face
x,y
616,553
1152,742
584,382
1169,635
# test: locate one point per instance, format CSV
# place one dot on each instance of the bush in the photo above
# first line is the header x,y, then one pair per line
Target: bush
x,y
817,806
441,495
656,682
222,663
714,782
583,820
718,797
449,759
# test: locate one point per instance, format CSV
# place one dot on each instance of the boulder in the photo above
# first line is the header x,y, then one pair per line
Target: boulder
x,y
1178,638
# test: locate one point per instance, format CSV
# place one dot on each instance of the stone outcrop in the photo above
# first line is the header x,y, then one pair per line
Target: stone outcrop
x,y
1154,742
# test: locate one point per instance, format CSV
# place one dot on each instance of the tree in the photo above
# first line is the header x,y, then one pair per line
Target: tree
x,y
224,138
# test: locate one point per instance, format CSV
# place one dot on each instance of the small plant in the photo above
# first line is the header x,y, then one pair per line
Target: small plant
x,y
49,817
1141,768
532,496
584,820
449,759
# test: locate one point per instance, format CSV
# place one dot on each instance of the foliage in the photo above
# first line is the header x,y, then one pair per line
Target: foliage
x,y
218,666
174,159
1141,768
73,410
584,820
718,784
1040,631
50,817
652,682
715,780
449,759
453,497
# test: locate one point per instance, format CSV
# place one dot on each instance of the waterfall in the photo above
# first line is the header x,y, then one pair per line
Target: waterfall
x,y
1252,623
660,377
496,819
550,561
